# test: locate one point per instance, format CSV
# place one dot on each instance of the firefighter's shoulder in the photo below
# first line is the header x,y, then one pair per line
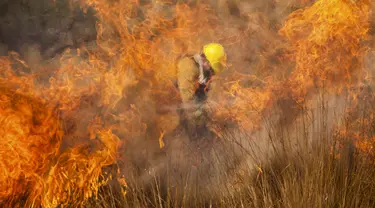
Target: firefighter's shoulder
x,y
185,57
187,63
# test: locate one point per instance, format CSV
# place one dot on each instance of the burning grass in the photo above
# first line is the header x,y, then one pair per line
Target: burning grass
x,y
277,139
295,174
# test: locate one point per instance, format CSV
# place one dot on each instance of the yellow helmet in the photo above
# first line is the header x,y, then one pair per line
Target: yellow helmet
x,y
215,54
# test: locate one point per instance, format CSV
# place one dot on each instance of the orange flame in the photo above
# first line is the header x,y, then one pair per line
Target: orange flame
x,y
327,39
51,164
34,163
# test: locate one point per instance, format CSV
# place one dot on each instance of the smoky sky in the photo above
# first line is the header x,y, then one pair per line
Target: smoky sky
x,y
54,27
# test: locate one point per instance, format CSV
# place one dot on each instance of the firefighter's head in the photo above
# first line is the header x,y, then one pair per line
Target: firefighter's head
x,y
214,57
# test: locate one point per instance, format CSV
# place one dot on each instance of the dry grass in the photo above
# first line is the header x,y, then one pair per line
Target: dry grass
x,y
291,162
302,170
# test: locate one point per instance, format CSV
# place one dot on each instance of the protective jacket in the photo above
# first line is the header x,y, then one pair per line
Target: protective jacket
x,y
192,79
192,84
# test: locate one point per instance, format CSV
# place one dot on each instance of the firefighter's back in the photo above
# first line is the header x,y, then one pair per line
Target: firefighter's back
x,y
187,76
193,113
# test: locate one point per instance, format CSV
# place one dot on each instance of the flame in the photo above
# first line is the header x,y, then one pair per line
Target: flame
x,y
55,146
31,137
324,42
326,38
78,172
63,125
35,163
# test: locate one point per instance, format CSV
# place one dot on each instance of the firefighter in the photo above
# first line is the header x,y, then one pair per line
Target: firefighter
x,y
194,73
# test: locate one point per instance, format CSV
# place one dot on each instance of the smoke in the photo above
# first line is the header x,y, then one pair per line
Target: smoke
x,y
52,25
110,65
